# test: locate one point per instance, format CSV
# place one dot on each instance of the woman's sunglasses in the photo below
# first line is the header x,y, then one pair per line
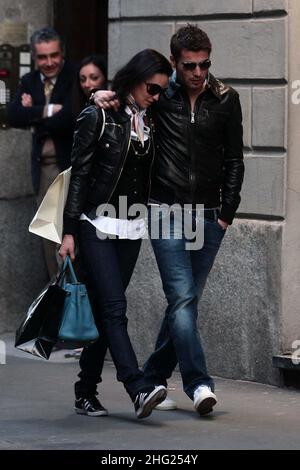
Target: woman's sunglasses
x,y
204,65
154,89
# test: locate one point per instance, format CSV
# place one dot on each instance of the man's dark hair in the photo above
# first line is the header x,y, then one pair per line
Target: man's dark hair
x,y
189,37
45,35
139,69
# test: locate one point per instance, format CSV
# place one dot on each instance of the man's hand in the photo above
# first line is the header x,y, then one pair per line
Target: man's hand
x,y
67,247
57,108
26,100
51,109
106,99
223,224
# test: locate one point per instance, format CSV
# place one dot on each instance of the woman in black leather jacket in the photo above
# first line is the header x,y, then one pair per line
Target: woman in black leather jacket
x,y
111,164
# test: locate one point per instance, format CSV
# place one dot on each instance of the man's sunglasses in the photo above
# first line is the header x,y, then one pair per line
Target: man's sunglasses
x,y
204,65
154,89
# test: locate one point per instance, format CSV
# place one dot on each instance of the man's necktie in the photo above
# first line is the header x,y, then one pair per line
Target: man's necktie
x,y
48,149
48,87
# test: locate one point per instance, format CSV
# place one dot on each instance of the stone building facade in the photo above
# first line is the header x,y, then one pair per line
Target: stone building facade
x,y
250,309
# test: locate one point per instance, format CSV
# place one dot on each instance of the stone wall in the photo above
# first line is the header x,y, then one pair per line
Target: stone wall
x,y
290,331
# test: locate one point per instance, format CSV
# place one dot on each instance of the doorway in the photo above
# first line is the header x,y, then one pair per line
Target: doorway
x,y
83,24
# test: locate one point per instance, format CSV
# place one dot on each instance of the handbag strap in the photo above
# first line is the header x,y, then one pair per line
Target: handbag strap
x,y
71,270
103,124
67,265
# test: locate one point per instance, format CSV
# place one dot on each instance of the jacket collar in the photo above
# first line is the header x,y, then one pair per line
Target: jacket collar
x,y
215,85
119,116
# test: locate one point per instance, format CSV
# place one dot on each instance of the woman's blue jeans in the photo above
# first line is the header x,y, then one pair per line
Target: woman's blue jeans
x,y
109,265
183,274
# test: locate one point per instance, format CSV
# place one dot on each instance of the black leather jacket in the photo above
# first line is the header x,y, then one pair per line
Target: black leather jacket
x,y
98,156
199,156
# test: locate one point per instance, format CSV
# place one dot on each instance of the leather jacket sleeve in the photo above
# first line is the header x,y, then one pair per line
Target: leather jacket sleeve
x,y
233,164
87,132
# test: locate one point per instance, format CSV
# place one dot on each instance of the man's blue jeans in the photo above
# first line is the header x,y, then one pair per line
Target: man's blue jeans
x,y
183,274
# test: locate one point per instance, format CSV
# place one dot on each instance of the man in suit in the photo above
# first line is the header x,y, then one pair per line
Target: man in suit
x,y
43,103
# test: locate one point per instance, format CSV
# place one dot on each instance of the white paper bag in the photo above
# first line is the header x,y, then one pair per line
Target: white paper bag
x,y
48,220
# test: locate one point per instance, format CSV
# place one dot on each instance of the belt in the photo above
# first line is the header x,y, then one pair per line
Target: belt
x,y
208,213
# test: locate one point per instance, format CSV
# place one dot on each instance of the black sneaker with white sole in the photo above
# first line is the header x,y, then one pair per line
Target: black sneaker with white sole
x,y
90,406
147,400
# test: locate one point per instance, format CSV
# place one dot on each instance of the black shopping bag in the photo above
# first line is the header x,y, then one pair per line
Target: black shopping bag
x,y
38,331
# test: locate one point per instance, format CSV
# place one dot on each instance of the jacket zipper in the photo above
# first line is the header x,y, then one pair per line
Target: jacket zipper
x,y
191,173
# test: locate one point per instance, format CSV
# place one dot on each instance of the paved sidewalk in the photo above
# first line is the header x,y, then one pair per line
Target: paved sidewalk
x,y
36,410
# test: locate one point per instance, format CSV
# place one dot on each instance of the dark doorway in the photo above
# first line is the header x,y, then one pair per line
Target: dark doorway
x,y
83,25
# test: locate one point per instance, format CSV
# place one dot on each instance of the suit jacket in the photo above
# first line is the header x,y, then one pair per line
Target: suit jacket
x,y
59,127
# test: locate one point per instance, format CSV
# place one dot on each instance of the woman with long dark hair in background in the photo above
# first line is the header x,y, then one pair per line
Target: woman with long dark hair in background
x,y
91,74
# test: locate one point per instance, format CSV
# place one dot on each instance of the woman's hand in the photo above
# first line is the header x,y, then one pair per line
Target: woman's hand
x,y
57,108
67,247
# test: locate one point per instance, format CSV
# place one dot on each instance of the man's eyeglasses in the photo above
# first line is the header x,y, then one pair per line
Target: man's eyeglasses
x,y
154,89
204,65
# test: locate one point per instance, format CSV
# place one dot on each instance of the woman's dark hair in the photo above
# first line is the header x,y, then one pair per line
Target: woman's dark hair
x,y
141,67
79,99
189,37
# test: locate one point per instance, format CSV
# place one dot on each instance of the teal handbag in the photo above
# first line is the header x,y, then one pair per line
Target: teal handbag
x,y
78,326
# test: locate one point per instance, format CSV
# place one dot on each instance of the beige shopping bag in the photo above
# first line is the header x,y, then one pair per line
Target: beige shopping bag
x,y
48,220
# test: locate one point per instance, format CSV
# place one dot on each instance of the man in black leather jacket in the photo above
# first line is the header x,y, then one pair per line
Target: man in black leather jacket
x,y
199,160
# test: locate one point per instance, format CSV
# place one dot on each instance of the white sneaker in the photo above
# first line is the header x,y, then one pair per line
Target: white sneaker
x,y
167,404
204,399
